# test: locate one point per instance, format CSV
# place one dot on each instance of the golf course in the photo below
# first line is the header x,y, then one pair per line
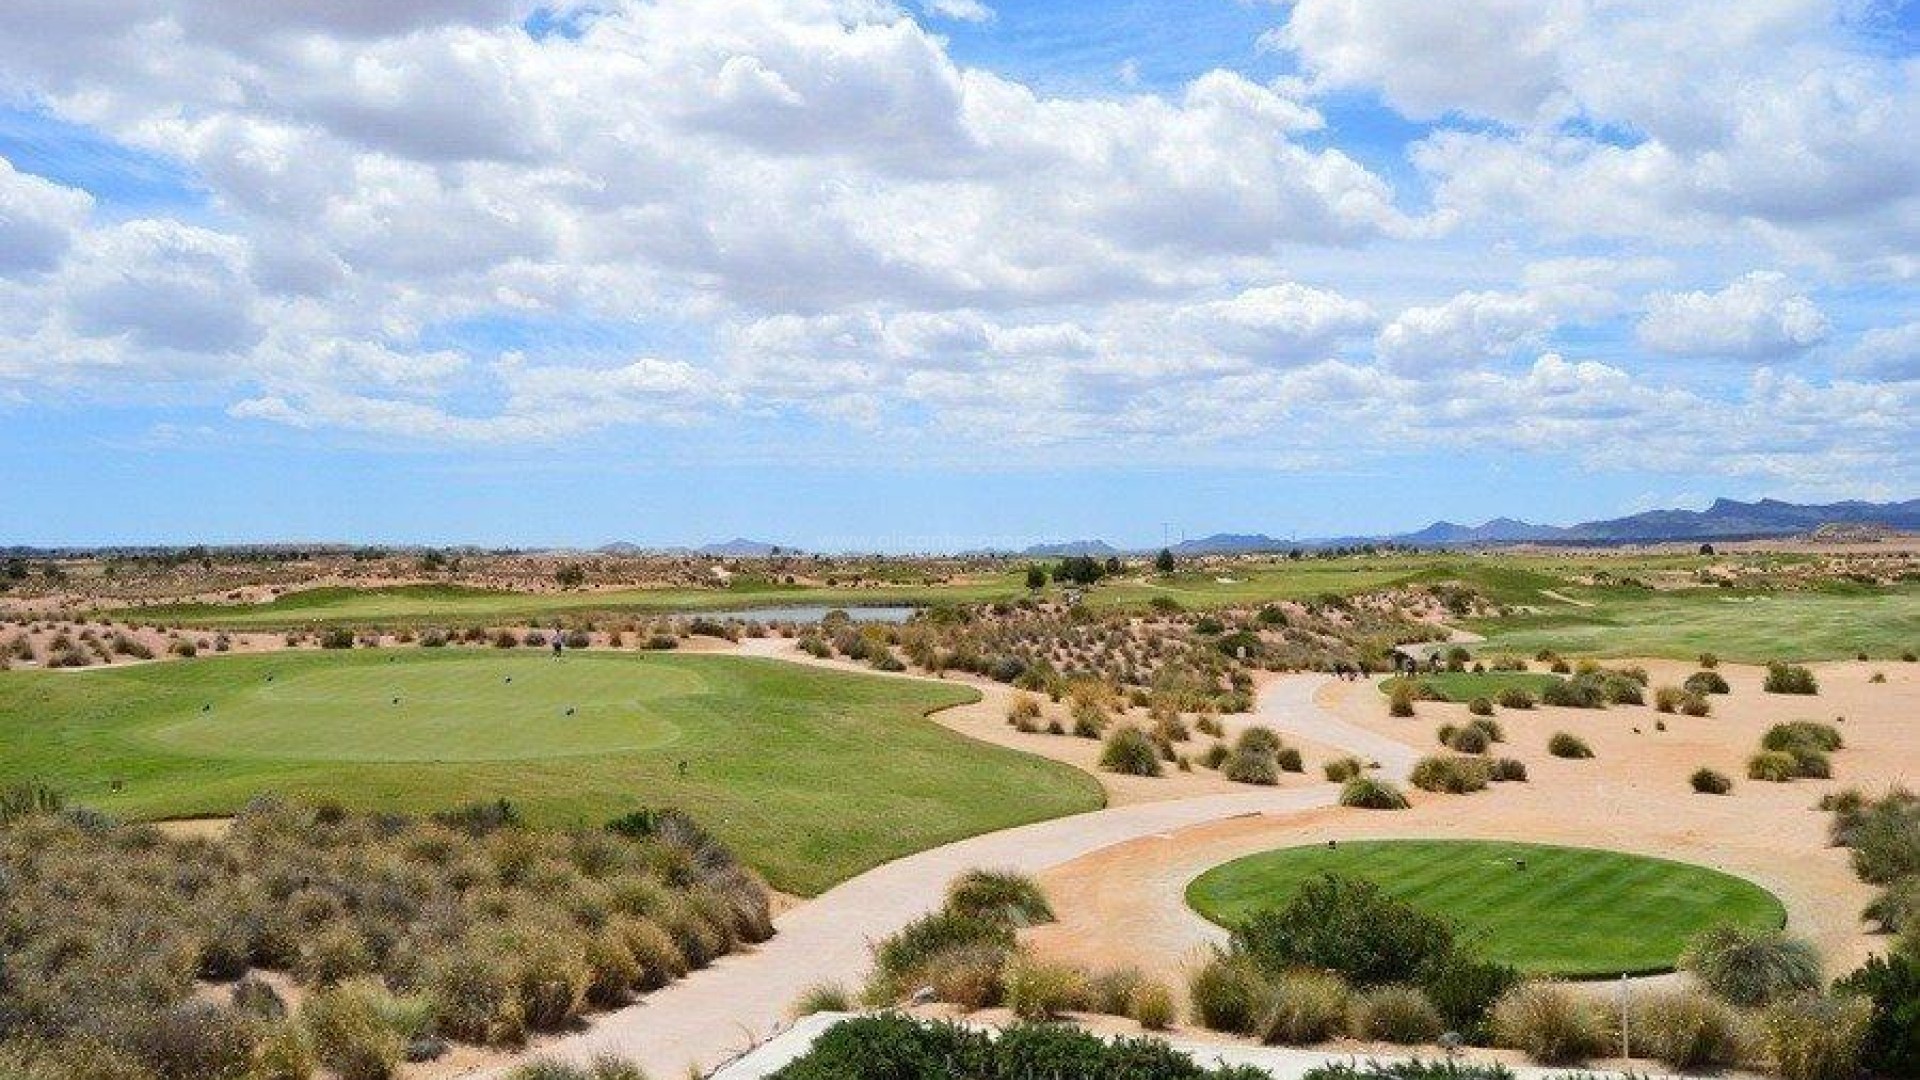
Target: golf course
x,y
810,775
1547,910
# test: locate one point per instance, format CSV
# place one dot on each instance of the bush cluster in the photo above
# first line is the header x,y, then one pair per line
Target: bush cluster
x,y
405,932
897,1047
1789,679
1342,957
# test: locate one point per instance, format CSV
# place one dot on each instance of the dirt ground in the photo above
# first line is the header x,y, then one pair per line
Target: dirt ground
x,y
1124,906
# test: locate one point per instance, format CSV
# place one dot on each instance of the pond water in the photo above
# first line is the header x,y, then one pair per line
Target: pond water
x,y
811,614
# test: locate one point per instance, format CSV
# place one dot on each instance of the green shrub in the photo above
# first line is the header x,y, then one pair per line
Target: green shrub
x,y
1695,704
1109,992
1400,701
1515,697
1366,793
1480,706
477,999
349,1034
1688,1031
1451,775
1244,767
1803,735
1579,692
1227,993
1810,1037
1891,987
1897,906
1289,760
196,1040
969,976
1003,895
1667,699
1304,1006
1129,751
1036,990
1396,1014
1343,769
1565,745
1789,679
898,1047
285,1052
1550,1023
1216,756
900,961
1348,926
1466,740
1151,1006
1507,770
1411,1069
1258,740
1708,782
1706,682
603,1068
1751,968
1464,989
1884,834
821,997
1776,766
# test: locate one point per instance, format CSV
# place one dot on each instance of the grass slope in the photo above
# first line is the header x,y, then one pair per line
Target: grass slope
x,y
453,605
810,775
1573,912
1814,624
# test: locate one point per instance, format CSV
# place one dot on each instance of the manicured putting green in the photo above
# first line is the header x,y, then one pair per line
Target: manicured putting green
x,y
810,775
1572,912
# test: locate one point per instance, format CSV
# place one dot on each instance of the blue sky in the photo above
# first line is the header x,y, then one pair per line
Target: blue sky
x,y
840,275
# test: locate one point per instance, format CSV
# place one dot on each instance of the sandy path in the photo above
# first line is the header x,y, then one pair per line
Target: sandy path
x,y
741,1000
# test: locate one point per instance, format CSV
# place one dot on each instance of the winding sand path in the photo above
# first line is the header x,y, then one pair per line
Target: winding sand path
x,y
741,1000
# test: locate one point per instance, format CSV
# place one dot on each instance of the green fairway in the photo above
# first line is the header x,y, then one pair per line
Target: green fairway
x,y
453,605
811,775
1572,912
1812,624
1464,686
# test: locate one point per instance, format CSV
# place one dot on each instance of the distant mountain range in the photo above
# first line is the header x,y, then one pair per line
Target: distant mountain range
x,y
1726,519
736,548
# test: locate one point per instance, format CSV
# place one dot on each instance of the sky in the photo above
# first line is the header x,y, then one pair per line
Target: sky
x,y
939,274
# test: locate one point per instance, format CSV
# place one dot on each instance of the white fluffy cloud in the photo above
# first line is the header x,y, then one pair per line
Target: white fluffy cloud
x,y
1892,353
826,216
1760,316
1680,118
37,220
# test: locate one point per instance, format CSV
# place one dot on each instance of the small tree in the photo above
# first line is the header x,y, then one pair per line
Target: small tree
x,y
1163,562
571,576
1036,577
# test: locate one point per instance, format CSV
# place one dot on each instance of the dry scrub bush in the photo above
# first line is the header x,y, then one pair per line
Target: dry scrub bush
x,y
1688,1031
1551,1023
1365,793
1451,775
1812,1037
1304,1006
1750,968
1036,990
1395,1014
476,930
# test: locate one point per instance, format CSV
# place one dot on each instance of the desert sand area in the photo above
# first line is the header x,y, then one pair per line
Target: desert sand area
x,y
1111,842
1126,904
1121,904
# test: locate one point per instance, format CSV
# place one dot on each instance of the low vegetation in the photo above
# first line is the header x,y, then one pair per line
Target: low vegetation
x,y
897,1047
404,934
